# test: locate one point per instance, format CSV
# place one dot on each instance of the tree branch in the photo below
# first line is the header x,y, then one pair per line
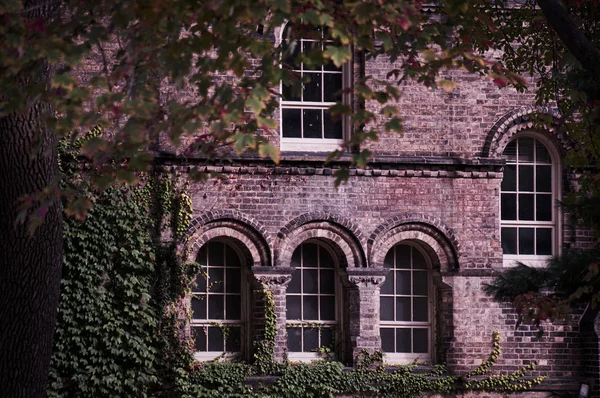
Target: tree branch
x,y
573,38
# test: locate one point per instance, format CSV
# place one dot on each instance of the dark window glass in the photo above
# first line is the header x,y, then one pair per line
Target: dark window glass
x,y
526,206
526,178
333,86
311,282
233,306
333,127
510,152
403,340
403,282
327,308
291,123
310,255
296,258
216,254
325,259
403,256
231,258
403,310
509,240
525,145
291,91
293,307
311,308
311,339
200,282
542,155
543,241
215,339
387,339
543,207
543,178
327,281
526,238
294,339
295,283
418,261
199,307
420,283
313,89
509,206
216,279
307,46
421,340
387,308
312,123
199,339
216,307
509,180
233,278
388,262
388,286
233,341
327,338
421,309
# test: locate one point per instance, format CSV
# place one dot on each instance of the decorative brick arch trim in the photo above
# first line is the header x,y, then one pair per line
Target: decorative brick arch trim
x,y
352,228
248,239
519,120
345,245
440,241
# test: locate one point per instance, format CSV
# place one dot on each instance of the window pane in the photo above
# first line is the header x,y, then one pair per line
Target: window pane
x,y
233,280
526,206
509,206
200,285
306,49
403,282
526,178
199,339
328,308
295,262
543,178
311,339
233,340
387,339
216,307
386,308
292,305
418,261
388,286
313,89
231,258
201,258
291,124
325,259
402,256
543,242
525,145
215,339
216,279
542,155
403,343
509,181
403,310
333,86
311,308
216,254
510,152
295,283
421,310
420,283
310,283
388,262
543,207
290,55
327,337
526,240
291,91
233,307
327,281
199,307
509,240
294,339
333,127
309,253
312,123
421,340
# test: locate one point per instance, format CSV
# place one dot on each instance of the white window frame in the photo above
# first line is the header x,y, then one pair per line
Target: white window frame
x,y
406,358
532,260
315,144
336,324
204,356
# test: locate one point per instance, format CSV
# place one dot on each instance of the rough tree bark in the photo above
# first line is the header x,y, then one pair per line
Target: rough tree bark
x,y
30,264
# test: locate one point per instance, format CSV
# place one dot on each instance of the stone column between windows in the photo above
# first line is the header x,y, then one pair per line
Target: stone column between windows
x,y
362,294
275,280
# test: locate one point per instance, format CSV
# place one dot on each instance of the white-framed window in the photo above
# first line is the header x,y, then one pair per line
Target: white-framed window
x,y
406,306
305,123
528,215
217,301
312,302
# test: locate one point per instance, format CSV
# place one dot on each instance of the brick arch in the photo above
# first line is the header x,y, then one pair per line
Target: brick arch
x,y
519,120
345,245
249,240
431,234
352,228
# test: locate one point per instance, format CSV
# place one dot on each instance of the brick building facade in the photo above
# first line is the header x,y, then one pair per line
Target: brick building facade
x,y
395,258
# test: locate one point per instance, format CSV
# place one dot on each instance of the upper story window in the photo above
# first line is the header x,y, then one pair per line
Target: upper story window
x,y
217,309
305,123
406,306
312,303
528,215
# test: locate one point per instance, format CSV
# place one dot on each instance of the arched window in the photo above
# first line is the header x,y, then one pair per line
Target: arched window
x,y
311,301
217,310
406,305
305,122
528,216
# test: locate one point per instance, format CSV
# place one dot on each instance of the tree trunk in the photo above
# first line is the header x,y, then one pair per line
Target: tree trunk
x,y
30,263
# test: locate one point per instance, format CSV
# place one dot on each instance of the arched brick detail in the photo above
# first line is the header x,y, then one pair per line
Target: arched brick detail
x,y
248,239
519,120
440,241
345,245
235,215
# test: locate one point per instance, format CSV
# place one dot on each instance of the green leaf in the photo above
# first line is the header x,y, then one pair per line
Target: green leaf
x,y
338,54
395,124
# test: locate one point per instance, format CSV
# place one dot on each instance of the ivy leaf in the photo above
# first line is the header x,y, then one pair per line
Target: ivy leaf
x,y
268,149
395,124
338,54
